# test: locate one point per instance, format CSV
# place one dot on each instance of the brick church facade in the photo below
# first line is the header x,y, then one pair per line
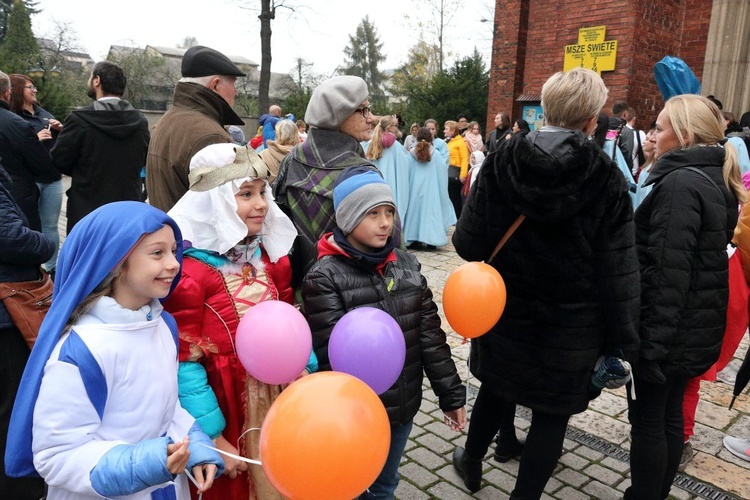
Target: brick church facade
x,y
531,35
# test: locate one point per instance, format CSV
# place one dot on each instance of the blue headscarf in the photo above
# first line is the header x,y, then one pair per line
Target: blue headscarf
x,y
97,244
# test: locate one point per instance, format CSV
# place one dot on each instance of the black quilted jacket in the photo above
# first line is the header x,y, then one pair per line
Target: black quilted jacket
x,y
570,269
337,284
682,228
23,250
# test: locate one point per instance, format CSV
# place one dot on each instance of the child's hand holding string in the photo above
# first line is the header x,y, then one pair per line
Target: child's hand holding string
x,y
232,466
177,456
456,419
204,475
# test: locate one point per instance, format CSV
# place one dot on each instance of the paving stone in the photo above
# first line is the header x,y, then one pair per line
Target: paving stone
x,y
713,415
422,418
606,476
602,426
448,491
707,439
680,494
489,492
427,458
740,427
439,428
616,465
601,491
589,454
574,461
417,474
416,431
553,485
568,493
572,477
501,479
407,491
609,404
435,443
728,476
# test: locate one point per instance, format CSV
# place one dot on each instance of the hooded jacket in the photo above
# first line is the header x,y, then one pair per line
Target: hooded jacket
x,y
338,283
570,269
195,120
682,230
102,147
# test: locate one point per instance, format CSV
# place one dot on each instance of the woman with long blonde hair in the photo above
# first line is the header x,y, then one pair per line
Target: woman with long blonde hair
x,y
390,160
682,230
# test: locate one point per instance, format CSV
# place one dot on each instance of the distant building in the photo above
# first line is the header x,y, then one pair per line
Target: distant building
x,y
156,88
63,59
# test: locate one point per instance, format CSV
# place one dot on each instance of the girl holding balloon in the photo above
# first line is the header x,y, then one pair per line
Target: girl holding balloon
x,y
237,240
359,267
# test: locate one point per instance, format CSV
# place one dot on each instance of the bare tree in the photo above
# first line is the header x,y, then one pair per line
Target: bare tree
x,y
441,13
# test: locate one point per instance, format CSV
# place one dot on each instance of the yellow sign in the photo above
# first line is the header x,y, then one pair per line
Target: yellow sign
x,y
592,51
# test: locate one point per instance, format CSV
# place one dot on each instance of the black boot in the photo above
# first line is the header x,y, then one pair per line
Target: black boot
x,y
508,446
469,469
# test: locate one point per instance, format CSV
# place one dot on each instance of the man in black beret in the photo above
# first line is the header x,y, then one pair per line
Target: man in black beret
x,y
202,106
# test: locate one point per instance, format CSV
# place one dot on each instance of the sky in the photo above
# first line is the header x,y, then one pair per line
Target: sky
x,y
317,32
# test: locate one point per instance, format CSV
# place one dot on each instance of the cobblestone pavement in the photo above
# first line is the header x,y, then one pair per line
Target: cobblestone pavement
x,y
594,464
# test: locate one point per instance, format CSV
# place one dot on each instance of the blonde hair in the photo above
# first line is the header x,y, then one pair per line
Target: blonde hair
x,y
375,148
697,121
287,133
570,99
451,125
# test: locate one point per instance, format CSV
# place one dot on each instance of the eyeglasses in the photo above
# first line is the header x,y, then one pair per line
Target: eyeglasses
x,y
30,87
365,111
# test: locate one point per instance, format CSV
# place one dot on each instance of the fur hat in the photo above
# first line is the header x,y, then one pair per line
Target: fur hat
x,y
205,61
356,191
334,100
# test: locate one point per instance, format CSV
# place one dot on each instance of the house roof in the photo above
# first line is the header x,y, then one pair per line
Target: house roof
x,y
179,52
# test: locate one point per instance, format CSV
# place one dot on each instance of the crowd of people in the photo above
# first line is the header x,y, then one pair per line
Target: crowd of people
x,y
636,224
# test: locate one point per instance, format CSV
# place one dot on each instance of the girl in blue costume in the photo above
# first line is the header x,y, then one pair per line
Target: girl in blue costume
x,y
391,161
431,212
97,412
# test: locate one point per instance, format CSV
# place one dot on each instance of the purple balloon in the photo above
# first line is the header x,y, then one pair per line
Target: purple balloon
x,y
273,342
368,343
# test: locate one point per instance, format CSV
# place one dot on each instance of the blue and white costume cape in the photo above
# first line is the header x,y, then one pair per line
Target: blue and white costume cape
x,y
393,168
75,417
430,210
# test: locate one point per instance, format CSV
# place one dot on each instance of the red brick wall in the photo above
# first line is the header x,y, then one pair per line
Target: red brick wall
x,y
530,37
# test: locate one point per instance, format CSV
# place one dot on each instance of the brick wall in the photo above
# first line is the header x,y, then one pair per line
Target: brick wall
x,y
530,37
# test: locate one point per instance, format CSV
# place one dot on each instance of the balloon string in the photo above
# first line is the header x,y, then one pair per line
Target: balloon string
x,y
468,376
243,435
192,479
232,455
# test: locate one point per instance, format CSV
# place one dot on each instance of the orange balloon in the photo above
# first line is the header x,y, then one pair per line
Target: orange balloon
x,y
473,299
326,436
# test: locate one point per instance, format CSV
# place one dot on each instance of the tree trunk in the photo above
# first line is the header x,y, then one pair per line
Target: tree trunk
x,y
267,14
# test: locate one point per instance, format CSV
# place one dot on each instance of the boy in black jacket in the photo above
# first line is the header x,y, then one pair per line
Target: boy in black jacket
x,y
359,266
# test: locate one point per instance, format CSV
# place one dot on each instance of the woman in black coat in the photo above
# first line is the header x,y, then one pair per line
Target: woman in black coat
x,y
682,230
23,252
571,273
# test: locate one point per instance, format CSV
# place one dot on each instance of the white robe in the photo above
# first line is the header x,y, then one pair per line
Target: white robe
x,y
138,359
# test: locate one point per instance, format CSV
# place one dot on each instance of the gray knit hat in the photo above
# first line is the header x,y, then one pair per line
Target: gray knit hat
x,y
334,100
356,190
217,164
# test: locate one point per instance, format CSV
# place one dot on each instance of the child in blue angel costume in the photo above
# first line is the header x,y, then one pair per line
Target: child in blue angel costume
x,y
97,413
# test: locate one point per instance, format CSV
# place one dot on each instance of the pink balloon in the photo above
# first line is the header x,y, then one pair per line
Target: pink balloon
x,y
273,342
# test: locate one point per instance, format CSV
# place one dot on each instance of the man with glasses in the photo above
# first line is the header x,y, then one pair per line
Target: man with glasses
x,y
202,106
340,118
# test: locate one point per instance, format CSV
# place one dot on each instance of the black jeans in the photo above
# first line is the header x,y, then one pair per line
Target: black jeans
x,y
13,356
543,443
657,437
454,193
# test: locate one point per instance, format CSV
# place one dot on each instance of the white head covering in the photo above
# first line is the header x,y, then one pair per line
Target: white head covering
x,y
208,217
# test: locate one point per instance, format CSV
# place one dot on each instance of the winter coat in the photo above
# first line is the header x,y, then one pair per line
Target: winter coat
x,y
102,147
24,250
26,161
458,154
497,137
570,269
195,120
39,121
682,231
273,155
337,284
